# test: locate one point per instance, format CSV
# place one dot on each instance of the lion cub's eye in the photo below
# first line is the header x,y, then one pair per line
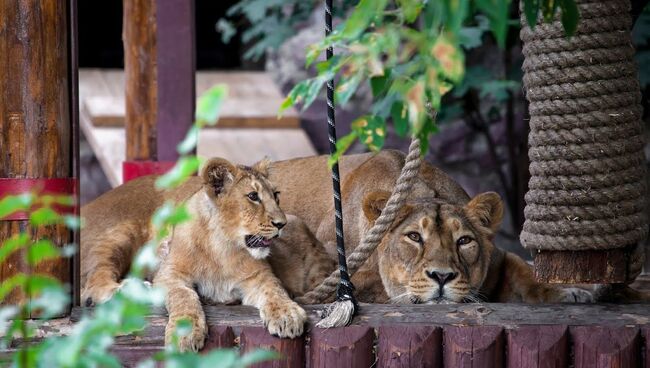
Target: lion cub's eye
x,y
253,196
276,196
463,240
416,237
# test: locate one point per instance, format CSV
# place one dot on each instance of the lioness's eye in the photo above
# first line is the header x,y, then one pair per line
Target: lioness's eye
x,y
253,196
415,237
463,240
275,195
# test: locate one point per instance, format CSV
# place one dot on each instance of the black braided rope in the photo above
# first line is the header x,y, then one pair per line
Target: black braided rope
x,y
345,289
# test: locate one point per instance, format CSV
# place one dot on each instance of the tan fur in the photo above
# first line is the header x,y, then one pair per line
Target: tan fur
x,y
208,254
396,272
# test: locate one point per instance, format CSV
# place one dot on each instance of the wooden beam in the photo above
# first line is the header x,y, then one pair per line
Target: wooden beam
x,y
35,127
409,346
589,266
140,54
342,347
176,69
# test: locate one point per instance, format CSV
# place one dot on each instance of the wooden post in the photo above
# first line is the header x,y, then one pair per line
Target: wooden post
x,y
159,67
219,337
479,347
600,346
292,350
538,347
342,347
139,37
35,126
409,346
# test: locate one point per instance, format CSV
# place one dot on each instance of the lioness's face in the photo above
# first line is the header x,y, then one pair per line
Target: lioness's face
x,y
248,203
439,253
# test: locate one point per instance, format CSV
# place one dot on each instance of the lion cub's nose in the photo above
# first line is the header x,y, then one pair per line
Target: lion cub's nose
x,y
278,224
442,277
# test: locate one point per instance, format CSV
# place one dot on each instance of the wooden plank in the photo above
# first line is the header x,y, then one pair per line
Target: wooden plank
x,y
538,347
341,347
409,346
35,125
589,266
253,99
175,74
480,347
488,314
646,336
292,350
219,337
601,346
130,356
139,37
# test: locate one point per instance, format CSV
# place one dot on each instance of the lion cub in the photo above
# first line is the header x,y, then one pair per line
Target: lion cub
x,y
219,254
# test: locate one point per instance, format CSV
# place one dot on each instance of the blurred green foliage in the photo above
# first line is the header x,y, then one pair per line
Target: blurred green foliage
x,y
88,343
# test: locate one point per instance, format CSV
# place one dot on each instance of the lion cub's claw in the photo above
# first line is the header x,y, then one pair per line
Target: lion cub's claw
x,y
576,295
285,320
192,342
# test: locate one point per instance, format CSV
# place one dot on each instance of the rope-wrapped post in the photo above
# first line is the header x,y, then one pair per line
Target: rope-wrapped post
x,y
585,208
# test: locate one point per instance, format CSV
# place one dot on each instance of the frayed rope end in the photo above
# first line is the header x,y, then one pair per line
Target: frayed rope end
x,y
337,314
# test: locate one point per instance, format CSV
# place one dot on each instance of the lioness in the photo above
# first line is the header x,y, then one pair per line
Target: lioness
x,y
430,244
221,251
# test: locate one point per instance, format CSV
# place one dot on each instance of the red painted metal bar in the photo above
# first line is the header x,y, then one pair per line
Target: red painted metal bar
x,y
176,68
41,186
135,169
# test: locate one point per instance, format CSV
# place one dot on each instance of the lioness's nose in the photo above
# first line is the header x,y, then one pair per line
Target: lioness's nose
x,y
442,277
278,224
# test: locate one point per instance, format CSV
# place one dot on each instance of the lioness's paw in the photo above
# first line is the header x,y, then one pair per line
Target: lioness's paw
x,y
575,295
284,320
192,341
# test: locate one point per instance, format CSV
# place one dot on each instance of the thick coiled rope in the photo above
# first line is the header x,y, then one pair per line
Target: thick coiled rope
x,y
587,189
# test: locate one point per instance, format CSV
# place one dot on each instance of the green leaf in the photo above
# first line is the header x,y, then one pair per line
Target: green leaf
x,y
531,7
44,216
498,89
497,13
189,143
226,29
347,88
38,283
209,104
400,119
13,244
15,203
342,145
17,280
221,358
371,131
295,95
312,91
169,214
184,168
361,17
380,84
40,251
72,222
570,16
410,8
258,356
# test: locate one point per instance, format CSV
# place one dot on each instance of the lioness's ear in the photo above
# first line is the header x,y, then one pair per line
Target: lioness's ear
x,y
486,208
263,166
373,203
218,173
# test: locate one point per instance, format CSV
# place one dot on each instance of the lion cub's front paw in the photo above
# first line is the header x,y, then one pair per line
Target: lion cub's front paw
x,y
192,341
575,295
285,319
97,294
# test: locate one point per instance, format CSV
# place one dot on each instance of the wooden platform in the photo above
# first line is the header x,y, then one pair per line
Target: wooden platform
x,y
460,335
247,131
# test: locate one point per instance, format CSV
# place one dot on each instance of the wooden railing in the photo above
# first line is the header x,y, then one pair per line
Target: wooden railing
x,y
460,335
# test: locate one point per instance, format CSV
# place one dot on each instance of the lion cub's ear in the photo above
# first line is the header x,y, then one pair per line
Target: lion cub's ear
x,y
218,173
263,166
487,208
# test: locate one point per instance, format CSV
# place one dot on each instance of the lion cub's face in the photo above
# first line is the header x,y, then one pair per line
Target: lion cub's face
x,y
437,253
247,201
